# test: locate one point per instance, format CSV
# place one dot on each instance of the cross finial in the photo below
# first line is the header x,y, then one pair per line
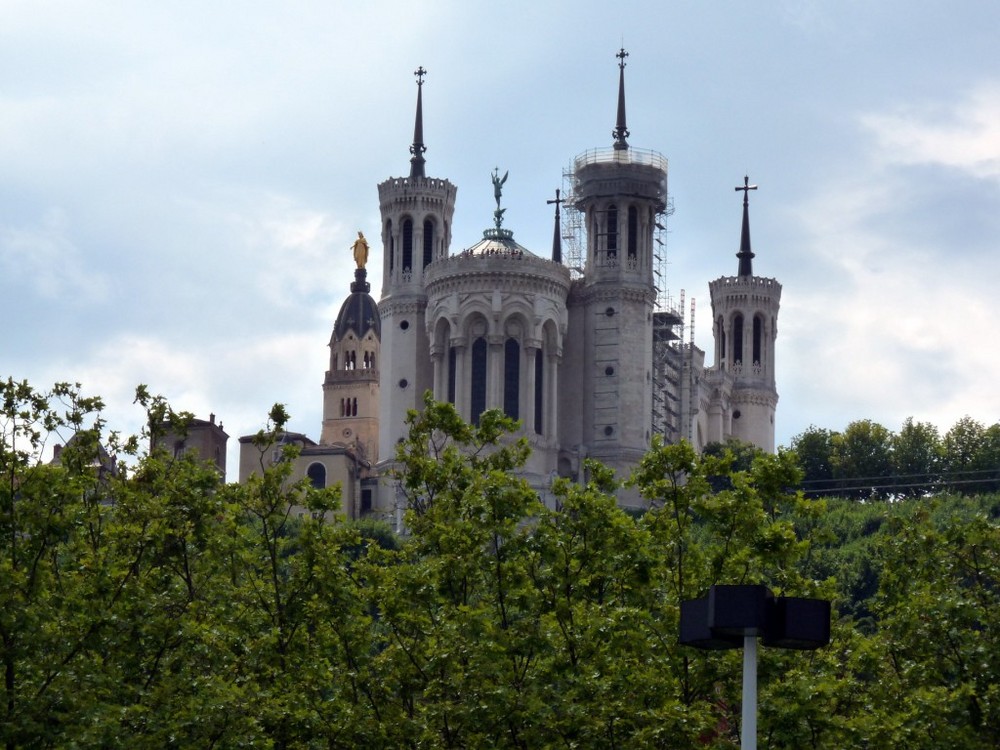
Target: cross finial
x,y
418,148
746,188
557,200
620,133
622,54
746,254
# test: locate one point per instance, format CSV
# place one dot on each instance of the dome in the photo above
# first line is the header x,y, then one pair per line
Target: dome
x,y
359,311
499,242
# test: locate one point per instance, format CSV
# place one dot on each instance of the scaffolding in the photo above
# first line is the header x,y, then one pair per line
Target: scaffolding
x,y
574,238
668,319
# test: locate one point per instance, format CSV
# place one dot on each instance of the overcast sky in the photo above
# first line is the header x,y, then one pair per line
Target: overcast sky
x,y
180,183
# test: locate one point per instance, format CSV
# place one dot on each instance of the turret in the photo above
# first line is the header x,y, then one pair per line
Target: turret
x,y
620,191
745,314
416,231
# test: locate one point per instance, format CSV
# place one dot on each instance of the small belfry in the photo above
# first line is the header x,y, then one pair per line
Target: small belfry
x,y
351,384
743,395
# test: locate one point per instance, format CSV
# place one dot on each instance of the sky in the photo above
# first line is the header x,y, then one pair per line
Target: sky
x,y
181,183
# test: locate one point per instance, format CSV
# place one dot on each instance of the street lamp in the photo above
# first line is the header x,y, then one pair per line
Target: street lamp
x,y
731,616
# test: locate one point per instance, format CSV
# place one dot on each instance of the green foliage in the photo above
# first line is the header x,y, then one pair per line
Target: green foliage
x,y
917,458
814,449
867,461
144,603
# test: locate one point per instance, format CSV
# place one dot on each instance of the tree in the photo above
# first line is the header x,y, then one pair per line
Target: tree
x,y
937,610
814,449
862,459
971,455
916,458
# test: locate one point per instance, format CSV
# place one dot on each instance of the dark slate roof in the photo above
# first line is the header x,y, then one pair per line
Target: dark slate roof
x,y
359,311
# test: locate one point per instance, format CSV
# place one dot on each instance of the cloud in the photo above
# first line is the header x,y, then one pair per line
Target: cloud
x,y
46,260
897,327
965,136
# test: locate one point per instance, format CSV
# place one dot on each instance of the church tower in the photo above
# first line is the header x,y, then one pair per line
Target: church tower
x,y
619,192
416,231
351,386
745,327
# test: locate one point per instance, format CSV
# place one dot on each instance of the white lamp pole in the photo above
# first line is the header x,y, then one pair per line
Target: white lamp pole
x,y
748,729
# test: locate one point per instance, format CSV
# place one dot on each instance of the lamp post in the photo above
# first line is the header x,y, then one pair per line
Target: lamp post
x,y
731,616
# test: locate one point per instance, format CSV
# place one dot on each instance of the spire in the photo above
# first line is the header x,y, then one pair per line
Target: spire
x,y
418,147
621,131
556,233
745,254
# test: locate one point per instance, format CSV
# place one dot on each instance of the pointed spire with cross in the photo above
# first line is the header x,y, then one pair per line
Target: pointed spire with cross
x,y
620,132
745,254
556,233
418,148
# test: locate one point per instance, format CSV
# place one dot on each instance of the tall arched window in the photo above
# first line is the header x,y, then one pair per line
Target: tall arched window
x,y
720,338
511,378
354,407
407,244
428,242
477,403
392,244
758,332
612,230
317,475
633,231
737,339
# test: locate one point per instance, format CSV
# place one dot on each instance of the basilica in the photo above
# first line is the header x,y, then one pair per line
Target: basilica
x,y
578,342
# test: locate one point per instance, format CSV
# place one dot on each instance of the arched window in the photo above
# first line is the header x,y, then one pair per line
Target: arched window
x,y
407,245
342,407
392,245
758,332
354,407
371,360
428,242
737,339
317,475
633,231
511,378
612,230
477,403
539,390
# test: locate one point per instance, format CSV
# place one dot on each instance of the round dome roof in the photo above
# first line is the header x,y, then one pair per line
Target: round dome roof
x,y
499,242
359,311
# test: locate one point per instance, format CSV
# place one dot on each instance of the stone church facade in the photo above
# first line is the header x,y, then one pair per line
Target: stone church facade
x,y
589,359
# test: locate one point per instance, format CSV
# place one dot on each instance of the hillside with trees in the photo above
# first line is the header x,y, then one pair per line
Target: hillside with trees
x,y
145,603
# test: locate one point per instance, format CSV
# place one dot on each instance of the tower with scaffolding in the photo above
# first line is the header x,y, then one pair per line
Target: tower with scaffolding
x,y
673,378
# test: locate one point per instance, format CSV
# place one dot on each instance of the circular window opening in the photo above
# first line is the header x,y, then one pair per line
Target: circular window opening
x,y
403,383
736,414
609,312
404,324
609,430
609,371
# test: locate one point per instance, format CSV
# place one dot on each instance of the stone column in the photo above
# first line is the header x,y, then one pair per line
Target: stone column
x,y
531,351
494,370
462,384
